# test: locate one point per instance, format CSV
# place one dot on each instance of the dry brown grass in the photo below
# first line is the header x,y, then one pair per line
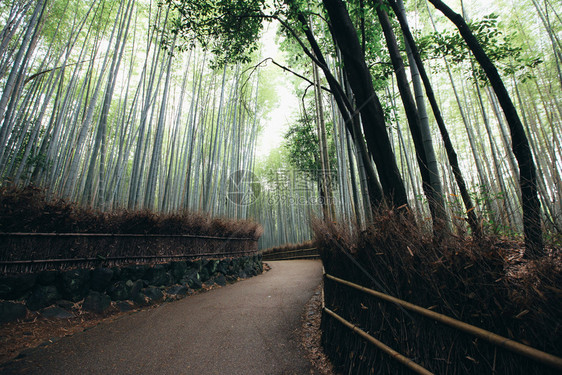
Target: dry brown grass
x,y
290,247
486,283
27,210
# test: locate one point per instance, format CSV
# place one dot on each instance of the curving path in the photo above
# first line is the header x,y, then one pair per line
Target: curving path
x,y
245,328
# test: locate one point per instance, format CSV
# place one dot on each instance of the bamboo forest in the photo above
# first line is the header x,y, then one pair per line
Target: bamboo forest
x,y
373,127
115,104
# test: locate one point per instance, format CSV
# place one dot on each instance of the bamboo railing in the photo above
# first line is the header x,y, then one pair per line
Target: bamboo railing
x,y
31,252
309,253
495,339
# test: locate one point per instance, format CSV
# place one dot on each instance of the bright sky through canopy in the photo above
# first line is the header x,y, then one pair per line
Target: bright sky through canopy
x,y
275,124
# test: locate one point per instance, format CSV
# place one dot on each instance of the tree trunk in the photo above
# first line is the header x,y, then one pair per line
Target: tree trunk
x,y
19,63
534,247
349,112
451,153
328,204
430,178
371,111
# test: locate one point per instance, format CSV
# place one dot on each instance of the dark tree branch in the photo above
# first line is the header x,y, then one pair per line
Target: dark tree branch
x,y
451,154
532,229
289,71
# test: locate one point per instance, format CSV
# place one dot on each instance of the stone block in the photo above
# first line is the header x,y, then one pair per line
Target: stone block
x,y
11,311
75,284
101,279
43,296
96,302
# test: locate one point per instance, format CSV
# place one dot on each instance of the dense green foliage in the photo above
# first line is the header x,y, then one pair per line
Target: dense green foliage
x,y
229,29
507,55
301,142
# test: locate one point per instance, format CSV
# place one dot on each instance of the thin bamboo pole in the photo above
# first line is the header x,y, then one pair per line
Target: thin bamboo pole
x,y
77,260
120,235
291,251
291,257
388,350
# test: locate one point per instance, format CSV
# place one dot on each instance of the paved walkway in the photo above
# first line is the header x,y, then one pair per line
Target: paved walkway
x,y
247,328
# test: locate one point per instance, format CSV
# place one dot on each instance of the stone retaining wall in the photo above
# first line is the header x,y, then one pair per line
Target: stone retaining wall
x,y
54,293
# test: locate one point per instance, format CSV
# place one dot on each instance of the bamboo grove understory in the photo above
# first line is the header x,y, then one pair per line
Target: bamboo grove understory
x,y
111,120
103,103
